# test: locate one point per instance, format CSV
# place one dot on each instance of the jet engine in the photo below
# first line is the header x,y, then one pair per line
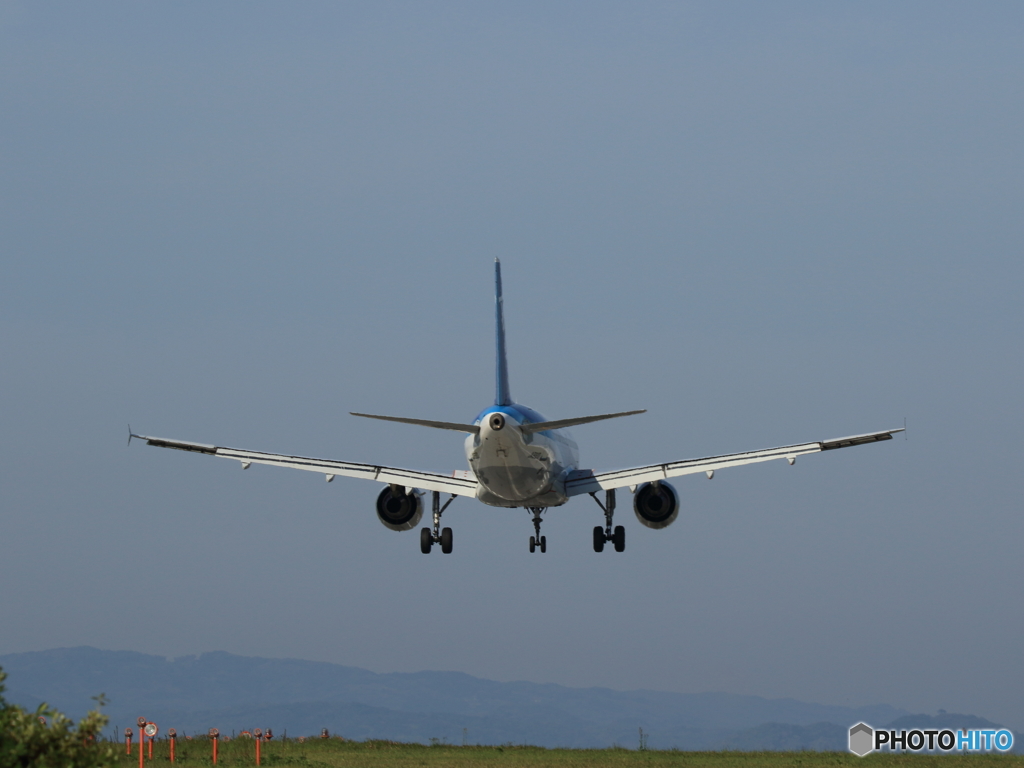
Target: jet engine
x,y
656,504
399,510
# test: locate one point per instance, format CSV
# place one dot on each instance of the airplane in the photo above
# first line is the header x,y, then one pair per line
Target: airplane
x,y
519,459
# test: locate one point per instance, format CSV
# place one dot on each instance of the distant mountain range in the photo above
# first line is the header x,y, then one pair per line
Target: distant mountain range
x,y
230,692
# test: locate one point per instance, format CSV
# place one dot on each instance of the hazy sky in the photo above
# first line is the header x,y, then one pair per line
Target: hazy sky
x,y
765,223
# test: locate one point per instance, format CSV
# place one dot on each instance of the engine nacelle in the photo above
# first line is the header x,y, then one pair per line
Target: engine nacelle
x,y
398,510
656,504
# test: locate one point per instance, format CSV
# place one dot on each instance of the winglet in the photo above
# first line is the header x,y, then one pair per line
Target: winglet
x,y
130,435
502,394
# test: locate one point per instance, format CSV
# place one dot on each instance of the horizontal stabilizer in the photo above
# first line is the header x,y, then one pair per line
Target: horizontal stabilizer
x,y
544,426
472,429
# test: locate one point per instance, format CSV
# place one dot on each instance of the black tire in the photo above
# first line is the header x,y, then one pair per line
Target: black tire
x,y
446,540
543,544
619,538
533,545
598,538
426,540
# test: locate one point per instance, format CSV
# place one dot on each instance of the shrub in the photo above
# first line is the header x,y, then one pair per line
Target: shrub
x,y
47,739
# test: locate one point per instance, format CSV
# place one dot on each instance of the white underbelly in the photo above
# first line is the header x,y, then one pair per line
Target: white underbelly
x,y
510,469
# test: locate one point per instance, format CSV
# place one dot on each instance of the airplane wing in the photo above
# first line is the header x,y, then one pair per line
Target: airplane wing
x,y
460,483
587,481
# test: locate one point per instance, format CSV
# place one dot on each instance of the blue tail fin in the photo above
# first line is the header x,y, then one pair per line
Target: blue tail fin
x,y
502,395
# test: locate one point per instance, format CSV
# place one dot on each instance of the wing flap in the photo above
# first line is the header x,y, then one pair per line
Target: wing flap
x,y
844,442
430,481
587,481
178,445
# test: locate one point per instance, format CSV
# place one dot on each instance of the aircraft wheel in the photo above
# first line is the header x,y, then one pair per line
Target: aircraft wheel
x,y
533,544
543,544
446,541
426,540
598,538
619,538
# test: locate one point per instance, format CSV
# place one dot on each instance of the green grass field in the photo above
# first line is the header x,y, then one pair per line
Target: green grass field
x,y
335,753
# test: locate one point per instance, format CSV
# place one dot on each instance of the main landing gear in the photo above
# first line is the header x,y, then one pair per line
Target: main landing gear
x,y
428,537
601,535
538,540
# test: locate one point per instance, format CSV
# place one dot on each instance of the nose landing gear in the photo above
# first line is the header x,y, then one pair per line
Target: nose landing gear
x,y
601,535
428,537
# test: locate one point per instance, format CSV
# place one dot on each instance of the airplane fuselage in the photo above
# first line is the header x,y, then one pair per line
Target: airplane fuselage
x,y
516,469
517,458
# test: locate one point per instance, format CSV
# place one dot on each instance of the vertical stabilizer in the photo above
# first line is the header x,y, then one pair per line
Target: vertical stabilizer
x,y
502,395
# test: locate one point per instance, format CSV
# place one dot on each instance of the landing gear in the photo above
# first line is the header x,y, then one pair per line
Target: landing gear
x,y
601,535
619,538
430,537
538,540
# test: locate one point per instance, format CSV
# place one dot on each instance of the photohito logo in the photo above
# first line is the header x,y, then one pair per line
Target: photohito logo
x,y
861,738
865,739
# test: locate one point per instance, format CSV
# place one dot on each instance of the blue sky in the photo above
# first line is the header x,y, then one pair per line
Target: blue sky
x,y
765,224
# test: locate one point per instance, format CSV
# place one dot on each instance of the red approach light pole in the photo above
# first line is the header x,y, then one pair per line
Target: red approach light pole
x,y
151,731
214,735
258,734
142,742
127,741
171,735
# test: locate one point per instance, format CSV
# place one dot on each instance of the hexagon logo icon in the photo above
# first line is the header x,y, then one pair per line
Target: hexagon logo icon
x,y
862,738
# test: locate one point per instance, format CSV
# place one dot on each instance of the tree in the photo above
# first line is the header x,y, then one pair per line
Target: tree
x,y
47,739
